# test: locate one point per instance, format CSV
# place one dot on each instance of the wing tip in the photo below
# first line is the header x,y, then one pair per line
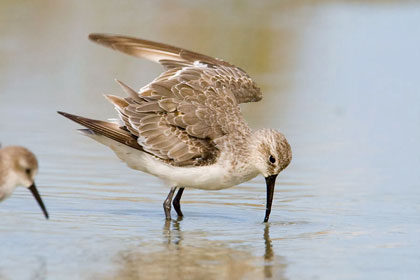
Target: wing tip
x,y
96,37
106,40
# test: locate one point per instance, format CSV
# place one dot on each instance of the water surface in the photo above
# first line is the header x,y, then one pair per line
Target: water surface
x,y
340,80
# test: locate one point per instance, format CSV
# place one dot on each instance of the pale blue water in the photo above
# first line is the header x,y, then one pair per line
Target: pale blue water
x,y
340,80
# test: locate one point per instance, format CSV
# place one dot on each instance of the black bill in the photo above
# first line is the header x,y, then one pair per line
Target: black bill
x,y
34,191
271,182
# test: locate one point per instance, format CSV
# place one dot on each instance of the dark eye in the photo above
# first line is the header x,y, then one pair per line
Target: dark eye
x,y
272,159
28,171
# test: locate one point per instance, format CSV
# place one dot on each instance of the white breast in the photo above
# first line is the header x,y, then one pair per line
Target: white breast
x,y
211,177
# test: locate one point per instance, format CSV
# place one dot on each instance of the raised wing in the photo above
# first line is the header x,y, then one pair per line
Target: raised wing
x,y
224,74
182,115
179,116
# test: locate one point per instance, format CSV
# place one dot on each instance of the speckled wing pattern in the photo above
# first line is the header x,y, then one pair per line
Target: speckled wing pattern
x,y
180,114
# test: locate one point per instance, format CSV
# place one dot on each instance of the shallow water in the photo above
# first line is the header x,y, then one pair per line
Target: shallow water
x,y
340,79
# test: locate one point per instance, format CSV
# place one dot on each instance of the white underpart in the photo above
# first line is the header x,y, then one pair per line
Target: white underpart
x,y
211,177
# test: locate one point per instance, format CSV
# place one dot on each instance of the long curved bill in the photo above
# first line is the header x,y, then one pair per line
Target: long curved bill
x,y
271,182
34,191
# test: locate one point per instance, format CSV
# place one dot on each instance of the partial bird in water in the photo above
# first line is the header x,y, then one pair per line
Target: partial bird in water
x,y
18,167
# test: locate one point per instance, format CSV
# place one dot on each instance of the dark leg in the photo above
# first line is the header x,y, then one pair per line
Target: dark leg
x,y
177,203
167,203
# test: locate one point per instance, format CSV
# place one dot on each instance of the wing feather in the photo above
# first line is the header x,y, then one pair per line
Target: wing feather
x,y
180,116
175,58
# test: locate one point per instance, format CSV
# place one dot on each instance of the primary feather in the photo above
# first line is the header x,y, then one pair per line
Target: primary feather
x,y
182,115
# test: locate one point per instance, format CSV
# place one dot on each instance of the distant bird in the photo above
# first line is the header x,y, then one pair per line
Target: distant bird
x,y
186,127
18,167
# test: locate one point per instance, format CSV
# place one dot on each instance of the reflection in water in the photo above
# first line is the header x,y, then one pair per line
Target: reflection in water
x,y
272,262
41,272
339,77
175,232
187,255
268,256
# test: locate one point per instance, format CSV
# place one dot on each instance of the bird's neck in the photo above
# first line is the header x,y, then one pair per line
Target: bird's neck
x,y
237,157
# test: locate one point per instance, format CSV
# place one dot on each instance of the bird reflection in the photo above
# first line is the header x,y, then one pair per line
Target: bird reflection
x,y
41,271
193,255
268,255
271,260
274,266
174,233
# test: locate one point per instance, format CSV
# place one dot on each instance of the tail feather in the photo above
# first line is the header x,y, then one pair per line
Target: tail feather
x,y
107,129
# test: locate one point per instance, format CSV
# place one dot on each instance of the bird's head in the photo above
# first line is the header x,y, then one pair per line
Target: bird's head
x,y
23,169
271,154
25,166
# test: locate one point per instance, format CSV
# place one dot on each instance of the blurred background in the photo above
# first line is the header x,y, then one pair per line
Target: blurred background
x,y
340,80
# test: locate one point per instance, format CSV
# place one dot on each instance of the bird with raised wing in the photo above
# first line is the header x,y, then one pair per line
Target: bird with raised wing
x,y
185,127
18,167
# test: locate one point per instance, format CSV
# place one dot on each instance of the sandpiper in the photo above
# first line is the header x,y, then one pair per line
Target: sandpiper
x,y
18,167
186,127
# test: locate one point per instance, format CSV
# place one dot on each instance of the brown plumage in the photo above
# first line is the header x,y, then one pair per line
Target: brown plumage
x,y
179,116
110,130
170,57
189,120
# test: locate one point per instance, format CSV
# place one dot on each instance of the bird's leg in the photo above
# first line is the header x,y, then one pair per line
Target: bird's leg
x,y
177,203
167,203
